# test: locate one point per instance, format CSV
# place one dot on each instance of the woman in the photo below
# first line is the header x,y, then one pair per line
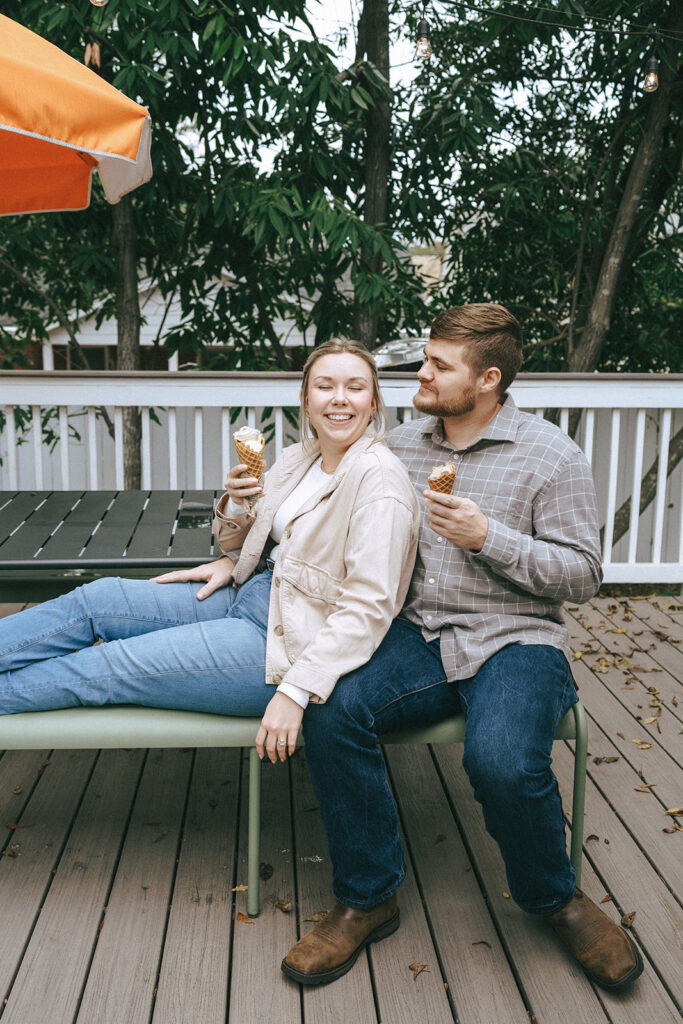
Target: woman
x,y
337,521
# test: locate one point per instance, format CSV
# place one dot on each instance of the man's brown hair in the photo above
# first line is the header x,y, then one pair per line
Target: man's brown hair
x,y
490,334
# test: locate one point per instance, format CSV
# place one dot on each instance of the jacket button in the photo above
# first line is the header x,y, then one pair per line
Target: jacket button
x,y
278,631
276,581
277,678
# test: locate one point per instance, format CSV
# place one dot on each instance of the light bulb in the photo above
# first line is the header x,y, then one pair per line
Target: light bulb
x,y
423,50
651,75
99,3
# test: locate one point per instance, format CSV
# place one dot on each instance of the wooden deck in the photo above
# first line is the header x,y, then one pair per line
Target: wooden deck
x,y
121,878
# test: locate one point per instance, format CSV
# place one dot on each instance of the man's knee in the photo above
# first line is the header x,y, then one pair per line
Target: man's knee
x,y
504,770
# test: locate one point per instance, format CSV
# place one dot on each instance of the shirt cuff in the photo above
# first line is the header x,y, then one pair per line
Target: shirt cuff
x,y
501,546
299,696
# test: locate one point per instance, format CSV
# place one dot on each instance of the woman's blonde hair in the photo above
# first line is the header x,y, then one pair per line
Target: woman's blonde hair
x,y
337,346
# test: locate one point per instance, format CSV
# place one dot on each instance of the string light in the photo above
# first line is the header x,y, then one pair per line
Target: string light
x,y
651,82
423,50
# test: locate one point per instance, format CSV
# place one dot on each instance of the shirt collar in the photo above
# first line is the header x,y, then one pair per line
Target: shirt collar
x,y
503,427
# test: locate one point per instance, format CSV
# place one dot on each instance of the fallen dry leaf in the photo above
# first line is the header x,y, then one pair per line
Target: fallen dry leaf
x,y
647,788
591,836
606,899
506,895
417,969
18,826
669,832
650,719
621,735
284,905
628,919
673,811
240,888
13,853
19,789
622,629
641,744
243,918
605,760
482,942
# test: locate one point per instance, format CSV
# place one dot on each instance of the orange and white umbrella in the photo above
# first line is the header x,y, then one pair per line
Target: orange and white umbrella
x,y
59,121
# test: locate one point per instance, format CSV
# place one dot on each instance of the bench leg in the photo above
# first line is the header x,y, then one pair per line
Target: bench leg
x,y
579,796
254,840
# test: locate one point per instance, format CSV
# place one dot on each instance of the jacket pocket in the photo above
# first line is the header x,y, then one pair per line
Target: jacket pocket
x,y
308,596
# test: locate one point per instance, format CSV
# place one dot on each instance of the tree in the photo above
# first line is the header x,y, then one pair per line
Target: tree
x,y
554,178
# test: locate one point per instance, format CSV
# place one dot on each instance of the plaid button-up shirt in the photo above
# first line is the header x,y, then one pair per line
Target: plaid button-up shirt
x,y
542,548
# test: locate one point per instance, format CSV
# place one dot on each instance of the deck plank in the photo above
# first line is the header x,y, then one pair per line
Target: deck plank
x,y
193,981
632,881
350,998
481,983
259,992
528,941
25,877
54,967
123,973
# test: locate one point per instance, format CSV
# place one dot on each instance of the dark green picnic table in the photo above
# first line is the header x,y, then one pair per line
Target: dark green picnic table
x,y
52,541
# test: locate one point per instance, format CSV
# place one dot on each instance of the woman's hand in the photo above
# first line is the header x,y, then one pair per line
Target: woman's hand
x,y
217,574
240,487
281,721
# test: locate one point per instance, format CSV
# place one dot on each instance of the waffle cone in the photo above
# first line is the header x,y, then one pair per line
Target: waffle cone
x,y
442,484
442,478
255,463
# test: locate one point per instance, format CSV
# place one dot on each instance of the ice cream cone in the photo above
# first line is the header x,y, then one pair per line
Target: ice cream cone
x,y
442,478
255,463
249,445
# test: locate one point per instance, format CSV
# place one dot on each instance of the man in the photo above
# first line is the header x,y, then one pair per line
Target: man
x,y
481,632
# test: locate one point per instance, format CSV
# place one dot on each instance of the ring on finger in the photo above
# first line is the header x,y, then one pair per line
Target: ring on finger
x,y
282,743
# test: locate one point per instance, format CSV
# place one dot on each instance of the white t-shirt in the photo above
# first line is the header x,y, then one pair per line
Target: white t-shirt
x,y
307,486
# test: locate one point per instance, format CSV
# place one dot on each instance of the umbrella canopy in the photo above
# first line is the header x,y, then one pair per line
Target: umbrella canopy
x,y
58,122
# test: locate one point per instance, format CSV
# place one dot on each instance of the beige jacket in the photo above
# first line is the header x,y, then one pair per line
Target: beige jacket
x,y
343,566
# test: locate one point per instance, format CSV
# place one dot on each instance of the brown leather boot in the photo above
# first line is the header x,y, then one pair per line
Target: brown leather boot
x,y
332,947
607,954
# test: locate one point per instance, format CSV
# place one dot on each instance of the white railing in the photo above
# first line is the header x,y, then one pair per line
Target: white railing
x,y
626,426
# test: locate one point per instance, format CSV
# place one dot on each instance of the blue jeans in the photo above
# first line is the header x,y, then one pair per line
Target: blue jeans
x,y
512,705
162,648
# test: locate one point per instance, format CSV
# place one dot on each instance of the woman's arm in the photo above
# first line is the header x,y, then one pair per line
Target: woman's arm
x,y
231,527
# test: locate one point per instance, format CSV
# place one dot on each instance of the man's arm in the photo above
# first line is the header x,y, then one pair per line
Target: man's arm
x,y
560,560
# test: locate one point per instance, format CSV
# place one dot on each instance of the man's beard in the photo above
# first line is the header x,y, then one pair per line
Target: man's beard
x,y
465,402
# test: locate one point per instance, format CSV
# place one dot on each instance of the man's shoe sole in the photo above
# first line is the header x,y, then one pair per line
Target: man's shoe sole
x,y
383,931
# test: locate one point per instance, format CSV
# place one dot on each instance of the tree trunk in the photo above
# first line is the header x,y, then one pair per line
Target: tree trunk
x,y
374,39
585,356
128,330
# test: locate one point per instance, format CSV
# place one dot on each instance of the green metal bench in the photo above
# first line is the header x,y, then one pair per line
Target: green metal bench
x,y
127,727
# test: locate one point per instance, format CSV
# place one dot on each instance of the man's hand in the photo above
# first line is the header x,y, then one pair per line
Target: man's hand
x,y
281,721
459,520
240,487
217,574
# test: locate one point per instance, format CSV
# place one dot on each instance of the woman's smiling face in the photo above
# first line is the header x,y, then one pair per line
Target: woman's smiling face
x,y
340,401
